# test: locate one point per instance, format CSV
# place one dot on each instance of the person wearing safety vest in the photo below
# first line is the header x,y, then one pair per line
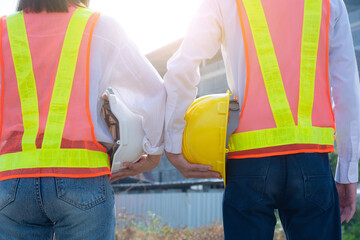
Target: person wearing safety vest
x,y
57,58
291,66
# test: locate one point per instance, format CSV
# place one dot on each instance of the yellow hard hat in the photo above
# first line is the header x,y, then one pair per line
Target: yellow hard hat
x,y
204,138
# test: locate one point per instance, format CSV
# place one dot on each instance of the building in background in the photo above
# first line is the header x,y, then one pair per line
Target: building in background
x,y
354,15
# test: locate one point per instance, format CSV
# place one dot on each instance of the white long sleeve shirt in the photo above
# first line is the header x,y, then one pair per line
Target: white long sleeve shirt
x,y
216,25
116,62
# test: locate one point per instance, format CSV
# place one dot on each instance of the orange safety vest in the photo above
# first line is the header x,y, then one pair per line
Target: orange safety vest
x,y
287,107
45,125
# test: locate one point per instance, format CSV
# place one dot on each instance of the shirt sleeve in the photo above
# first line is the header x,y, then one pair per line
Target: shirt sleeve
x,y
134,80
344,81
202,41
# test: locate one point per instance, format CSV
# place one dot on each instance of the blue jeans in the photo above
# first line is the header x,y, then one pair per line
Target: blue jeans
x,y
300,186
36,208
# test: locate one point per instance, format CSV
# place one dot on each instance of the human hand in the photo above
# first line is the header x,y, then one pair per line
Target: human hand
x,y
146,163
347,198
189,170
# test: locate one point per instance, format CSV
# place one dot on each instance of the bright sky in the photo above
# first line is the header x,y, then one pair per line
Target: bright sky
x,y
151,24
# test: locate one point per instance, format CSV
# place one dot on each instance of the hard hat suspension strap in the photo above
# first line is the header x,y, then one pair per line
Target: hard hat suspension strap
x,y
113,126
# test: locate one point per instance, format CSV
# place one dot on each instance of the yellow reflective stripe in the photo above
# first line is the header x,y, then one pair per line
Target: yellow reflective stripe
x,y
25,78
54,158
309,50
269,64
64,79
281,136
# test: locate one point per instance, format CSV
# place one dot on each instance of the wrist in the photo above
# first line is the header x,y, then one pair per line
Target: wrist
x,y
154,158
170,154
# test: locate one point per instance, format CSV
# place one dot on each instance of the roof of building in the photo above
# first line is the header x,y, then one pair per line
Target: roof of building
x,y
159,57
179,185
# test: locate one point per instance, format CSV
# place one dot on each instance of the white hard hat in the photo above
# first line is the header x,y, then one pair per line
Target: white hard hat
x,y
128,132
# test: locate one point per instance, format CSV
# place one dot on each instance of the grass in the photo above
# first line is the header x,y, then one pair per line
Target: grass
x,y
151,227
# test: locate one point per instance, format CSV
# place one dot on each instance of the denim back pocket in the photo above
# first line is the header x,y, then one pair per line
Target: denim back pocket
x,y
246,181
318,180
320,191
244,192
83,193
8,192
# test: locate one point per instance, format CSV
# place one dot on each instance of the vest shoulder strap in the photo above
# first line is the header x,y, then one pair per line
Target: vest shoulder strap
x,y
268,64
64,79
25,77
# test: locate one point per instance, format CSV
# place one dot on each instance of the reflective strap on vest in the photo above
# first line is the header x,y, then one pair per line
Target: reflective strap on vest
x,y
64,79
54,158
269,64
51,155
281,136
309,51
286,132
25,77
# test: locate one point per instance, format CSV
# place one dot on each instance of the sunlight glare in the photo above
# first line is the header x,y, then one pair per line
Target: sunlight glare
x,y
151,24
